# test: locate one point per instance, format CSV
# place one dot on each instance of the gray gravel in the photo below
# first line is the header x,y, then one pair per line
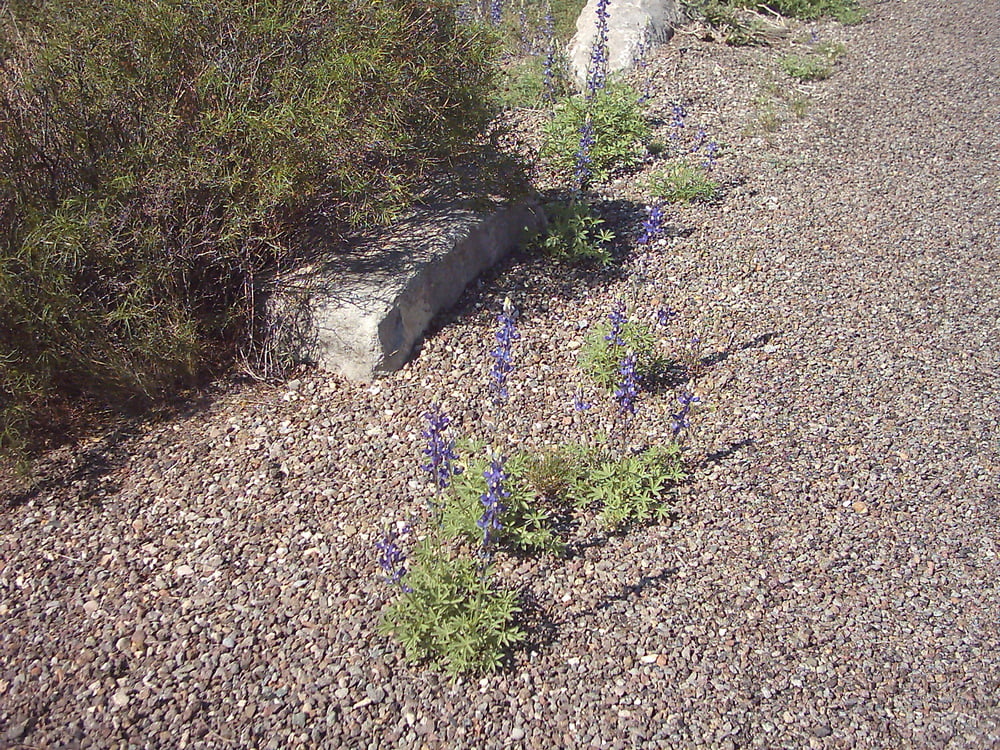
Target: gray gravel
x,y
830,580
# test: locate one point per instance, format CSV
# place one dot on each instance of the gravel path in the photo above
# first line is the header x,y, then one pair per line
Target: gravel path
x,y
831,576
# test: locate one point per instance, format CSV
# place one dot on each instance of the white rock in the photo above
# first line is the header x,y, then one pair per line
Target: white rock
x,y
634,26
359,313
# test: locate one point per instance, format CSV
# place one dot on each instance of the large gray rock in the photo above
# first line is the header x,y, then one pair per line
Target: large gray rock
x,y
360,313
634,27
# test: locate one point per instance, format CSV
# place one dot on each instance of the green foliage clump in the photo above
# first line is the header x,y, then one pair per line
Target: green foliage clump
x,y
451,615
736,30
817,66
158,156
553,474
630,489
601,359
682,183
573,235
619,130
526,525
844,11
808,68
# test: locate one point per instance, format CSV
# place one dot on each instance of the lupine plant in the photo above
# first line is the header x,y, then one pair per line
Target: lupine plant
x,y
597,70
501,354
440,450
494,504
605,346
392,560
682,419
652,225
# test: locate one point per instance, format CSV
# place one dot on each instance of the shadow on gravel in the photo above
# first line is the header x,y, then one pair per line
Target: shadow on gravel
x,y
724,453
532,279
632,591
83,469
718,357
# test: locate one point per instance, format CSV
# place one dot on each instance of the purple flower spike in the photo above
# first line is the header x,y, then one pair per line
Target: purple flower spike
x,y
503,359
583,160
711,150
679,115
664,315
618,321
652,227
579,404
628,392
439,450
391,558
493,502
597,71
682,419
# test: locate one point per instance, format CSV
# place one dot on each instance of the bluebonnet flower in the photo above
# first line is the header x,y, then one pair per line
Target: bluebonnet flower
x,y
652,226
578,402
503,360
440,451
628,389
710,155
682,418
391,558
550,56
699,140
664,315
583,172
618,321
597,71
677,121
493,501
496,11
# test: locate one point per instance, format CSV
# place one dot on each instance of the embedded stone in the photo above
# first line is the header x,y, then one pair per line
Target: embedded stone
x,y
360,312
634,28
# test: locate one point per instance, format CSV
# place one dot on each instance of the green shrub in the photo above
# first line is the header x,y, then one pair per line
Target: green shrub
x,y
601,359
572,234
525,524
630,489
681,183
158,156
451,615
845,11
554,473
618,125
809,68
736,31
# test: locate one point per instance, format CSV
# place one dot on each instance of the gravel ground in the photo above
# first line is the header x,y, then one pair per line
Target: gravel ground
x,y
830,577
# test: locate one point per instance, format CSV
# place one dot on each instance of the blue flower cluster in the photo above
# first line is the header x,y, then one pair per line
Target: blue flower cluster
x,y
628,391
652,226
391,558
496,11
439,450
503,359
549,30
493,502
711,151
618,321
583,160
682,418
678,118
597,71
664,315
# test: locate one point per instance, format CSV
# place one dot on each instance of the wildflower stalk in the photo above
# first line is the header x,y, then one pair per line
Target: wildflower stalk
x,y
493,501
441,455
501,354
